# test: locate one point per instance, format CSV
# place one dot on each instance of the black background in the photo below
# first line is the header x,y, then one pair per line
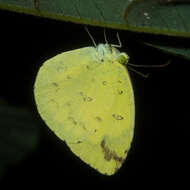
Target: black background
x,y
159,155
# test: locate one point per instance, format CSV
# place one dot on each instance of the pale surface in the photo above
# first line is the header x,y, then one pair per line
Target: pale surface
x,y
85,96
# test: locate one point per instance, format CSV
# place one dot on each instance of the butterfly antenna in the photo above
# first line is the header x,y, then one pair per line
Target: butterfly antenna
x,y
93,41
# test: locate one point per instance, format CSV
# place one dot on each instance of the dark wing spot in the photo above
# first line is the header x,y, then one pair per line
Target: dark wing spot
x,y
61,68
117,117
120,92
89,99
54,84
126,151
68,104
99,119
104,83
119,81
87,67
117,158
108,154
102,60
85,98
73,120
82,125
52,101
68,77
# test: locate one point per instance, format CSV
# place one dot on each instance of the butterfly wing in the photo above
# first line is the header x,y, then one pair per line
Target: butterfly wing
x,y
89,103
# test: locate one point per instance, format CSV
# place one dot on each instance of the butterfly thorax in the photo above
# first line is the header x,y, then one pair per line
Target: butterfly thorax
x,y
109,52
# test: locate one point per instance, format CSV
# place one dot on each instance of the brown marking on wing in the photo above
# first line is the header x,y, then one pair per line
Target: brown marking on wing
x,y
68,104
73,120
99,119
54,84
85,97
104,83
120,92
108,154
126,151
117,117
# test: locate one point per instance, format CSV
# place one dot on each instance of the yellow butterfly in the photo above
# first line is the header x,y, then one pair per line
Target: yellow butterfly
x,y
85,96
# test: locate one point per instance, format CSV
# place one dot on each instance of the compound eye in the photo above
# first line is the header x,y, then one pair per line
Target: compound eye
x,y
123,58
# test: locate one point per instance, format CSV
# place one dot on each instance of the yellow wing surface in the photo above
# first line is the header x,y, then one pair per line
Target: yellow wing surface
x,y
85,96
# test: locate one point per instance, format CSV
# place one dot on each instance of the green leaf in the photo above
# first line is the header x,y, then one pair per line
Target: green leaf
x,y
160,17
183,52
100,13
151,16
167,17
